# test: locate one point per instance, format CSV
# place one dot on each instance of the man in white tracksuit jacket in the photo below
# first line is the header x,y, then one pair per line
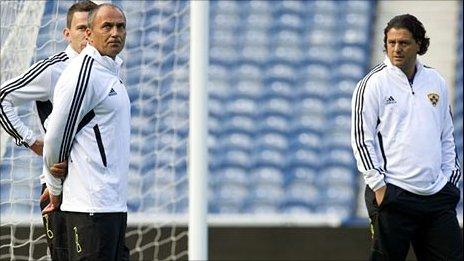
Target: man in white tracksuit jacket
x,y
90,128
37,85
402,138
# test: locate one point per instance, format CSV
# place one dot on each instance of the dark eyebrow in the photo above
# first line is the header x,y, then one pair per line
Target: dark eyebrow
x,y
113,24
107,23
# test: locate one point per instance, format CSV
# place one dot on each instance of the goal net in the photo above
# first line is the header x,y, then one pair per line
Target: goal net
x,y
156,72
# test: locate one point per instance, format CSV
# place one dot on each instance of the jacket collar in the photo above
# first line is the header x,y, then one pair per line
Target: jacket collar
x,y
114,66
419,66
70,52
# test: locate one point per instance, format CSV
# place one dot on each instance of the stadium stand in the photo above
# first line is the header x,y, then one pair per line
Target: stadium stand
x,y
280,85
282,75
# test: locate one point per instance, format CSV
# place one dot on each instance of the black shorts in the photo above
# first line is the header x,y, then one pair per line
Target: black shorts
x,y
97,236
55,232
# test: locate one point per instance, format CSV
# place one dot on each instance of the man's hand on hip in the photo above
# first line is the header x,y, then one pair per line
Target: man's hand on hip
x,y
54,205
45,195
37,147
380,194
59,170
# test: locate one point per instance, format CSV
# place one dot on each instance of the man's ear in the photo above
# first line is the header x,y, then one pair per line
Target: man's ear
x,y
66,34
88,34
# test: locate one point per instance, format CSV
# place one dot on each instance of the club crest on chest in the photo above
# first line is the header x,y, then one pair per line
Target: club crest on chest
x,y
433,98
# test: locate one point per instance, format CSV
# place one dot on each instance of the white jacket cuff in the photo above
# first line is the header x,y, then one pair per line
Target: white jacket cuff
x,y
42,179
30,139
53,184
374,179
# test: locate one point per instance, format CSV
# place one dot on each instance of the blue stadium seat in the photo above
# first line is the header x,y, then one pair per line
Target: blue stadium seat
x,y
310,105
277,106
265,198
216,106
313,88
236,140
291,7
267,174
340,124
239,123
315,71
271,140
218,71
269,158
273,123
287,21
304,157
302,194
247,71
341,211
301,175
229,198
326,7
324,21
254,53
319,37
340,195
308,123
279,71
321,54
353,54
337,176
235,158
350,70
306,140
231,176
242,107
278,89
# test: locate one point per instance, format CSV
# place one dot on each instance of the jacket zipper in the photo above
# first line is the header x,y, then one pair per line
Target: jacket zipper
x,y
101,149
412,89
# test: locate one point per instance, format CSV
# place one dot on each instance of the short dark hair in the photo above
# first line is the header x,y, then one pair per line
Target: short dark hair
x,y
413,25
84,6
94,12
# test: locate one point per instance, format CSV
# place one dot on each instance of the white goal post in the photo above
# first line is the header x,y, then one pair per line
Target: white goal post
x,y
198,154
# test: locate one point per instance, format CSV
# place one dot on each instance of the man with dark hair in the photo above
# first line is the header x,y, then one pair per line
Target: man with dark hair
x,y
402,138
90,127
37,85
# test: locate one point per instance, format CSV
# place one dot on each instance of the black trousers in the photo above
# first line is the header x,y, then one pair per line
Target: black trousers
x,y
429,223
55,232
98,236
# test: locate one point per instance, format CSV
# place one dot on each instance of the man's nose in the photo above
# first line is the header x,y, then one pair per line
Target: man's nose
x,y
114,31
397,47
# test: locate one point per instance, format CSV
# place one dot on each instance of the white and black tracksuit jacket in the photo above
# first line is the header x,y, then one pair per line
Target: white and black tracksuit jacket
x,y
403,134
90,127
37,85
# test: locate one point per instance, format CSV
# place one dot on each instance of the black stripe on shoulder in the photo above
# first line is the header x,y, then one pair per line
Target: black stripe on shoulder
x,y
358,119
31,74
78,97
374,70
21,82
